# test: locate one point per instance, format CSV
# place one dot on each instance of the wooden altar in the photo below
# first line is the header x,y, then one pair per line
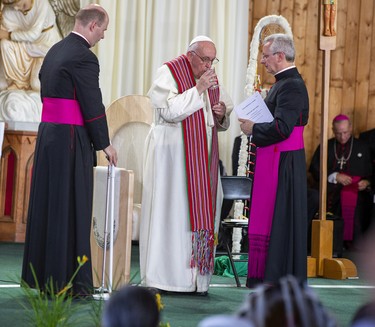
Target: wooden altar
x,y
15,177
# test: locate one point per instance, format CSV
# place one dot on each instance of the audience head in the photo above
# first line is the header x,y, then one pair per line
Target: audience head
x,y
91,21
201,54
365,316
278,52
288,303
342,128
131,306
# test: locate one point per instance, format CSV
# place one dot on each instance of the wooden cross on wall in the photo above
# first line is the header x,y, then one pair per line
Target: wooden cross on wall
x,y
321,262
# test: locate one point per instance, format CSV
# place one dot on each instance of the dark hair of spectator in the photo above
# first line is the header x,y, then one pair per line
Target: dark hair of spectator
x,y
131,306
289,303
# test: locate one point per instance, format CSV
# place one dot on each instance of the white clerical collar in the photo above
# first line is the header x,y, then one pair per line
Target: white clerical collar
x,y
81,36
283,70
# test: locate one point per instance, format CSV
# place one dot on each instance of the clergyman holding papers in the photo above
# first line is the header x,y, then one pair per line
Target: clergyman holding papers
x,y
278,217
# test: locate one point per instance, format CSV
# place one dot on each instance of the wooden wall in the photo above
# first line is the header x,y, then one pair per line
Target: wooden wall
x,y
352,73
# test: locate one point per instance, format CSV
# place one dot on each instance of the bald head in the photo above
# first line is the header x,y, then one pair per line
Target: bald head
x,y
92,12
91,21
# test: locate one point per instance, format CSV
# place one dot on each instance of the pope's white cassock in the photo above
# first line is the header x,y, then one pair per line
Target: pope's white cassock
x,y
165,232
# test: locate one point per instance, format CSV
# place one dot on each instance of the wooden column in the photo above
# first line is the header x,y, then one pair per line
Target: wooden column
x,y
18,148
321,262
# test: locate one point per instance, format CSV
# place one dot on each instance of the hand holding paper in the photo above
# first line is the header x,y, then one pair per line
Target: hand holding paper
x,y
255,109
246,126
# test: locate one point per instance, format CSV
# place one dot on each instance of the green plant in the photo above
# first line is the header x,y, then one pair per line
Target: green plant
x,y
96,311
51,307
161,307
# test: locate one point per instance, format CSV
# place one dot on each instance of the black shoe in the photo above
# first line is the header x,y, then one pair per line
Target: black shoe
x,y
253,282
205,293
202,293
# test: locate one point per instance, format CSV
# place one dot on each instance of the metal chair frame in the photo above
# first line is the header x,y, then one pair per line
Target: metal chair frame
x,y
235,188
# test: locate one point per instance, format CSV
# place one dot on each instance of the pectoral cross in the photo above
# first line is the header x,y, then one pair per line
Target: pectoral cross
x,y
341,162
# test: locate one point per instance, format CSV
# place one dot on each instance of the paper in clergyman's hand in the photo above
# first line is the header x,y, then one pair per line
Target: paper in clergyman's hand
x,y
255,109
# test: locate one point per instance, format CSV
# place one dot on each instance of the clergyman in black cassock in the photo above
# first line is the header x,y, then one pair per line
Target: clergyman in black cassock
x,y
73,126
347,157
278,210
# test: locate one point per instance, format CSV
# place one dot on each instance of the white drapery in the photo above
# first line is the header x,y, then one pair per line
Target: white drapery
x,y
143,34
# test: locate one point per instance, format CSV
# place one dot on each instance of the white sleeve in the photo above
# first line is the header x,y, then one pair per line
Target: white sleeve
x,y
224,96
172,106
332,178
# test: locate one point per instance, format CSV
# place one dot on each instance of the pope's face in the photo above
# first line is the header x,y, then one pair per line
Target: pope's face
x,y
201,58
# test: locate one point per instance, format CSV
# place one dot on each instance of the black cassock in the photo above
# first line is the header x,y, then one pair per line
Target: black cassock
x,y
287,253
59,216
357,163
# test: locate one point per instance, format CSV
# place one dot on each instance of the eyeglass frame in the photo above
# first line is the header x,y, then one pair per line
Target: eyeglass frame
x,y
206,60
265,57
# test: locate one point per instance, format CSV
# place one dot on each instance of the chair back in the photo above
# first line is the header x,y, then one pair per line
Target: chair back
x,y
129,121
236,187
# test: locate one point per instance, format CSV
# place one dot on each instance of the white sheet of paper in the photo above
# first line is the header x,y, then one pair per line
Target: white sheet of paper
x,y
255,109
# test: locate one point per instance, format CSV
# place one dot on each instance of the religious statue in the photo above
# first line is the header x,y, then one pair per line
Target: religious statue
x,y
65,11
329,17
28,30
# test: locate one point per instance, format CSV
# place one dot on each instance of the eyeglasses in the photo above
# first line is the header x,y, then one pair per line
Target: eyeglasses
x,y
206,60
265,57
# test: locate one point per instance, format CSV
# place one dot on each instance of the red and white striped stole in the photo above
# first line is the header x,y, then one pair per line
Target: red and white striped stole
x,y
201,170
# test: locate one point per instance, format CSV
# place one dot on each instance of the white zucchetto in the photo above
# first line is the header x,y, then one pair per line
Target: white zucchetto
x,y
200,38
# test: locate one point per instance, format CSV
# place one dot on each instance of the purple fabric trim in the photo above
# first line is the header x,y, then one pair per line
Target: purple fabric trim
x,y
340,117
62,111
264,197
349,196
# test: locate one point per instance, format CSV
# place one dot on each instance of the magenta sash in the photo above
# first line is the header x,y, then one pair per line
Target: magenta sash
x,y
349,196
263,199
62,111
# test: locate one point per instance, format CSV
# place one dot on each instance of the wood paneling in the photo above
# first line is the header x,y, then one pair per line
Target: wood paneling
x,y
22,144
352,81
